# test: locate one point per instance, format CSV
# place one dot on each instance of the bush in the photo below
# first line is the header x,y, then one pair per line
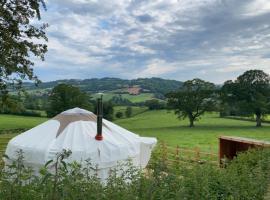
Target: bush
x,y
119,114
128,111
246,177
155,104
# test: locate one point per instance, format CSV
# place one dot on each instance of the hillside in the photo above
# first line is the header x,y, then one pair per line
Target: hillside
x,y
150,85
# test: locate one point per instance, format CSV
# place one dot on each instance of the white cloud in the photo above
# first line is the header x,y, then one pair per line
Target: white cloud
x,y
180,39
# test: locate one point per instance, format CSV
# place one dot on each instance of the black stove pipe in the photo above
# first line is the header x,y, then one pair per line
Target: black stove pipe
x,y
99,119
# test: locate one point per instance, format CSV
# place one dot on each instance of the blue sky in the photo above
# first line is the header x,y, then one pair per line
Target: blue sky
x,y
215,40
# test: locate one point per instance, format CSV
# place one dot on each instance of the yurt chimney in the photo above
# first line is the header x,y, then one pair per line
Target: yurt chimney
x,y
99,118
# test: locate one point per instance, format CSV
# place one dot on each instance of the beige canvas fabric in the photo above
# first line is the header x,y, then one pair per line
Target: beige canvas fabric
x,y
65,120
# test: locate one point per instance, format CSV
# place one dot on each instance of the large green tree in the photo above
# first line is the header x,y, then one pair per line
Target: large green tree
x,y
249,94
193,99
65,97
21,39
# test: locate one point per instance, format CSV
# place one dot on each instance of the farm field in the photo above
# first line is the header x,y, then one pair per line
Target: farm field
x,y
8,122
135,110
165,126
133,98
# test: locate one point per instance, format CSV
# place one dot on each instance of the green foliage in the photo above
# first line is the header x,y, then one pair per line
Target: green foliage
x,y
128,111
193,100
36,101
119,100
11,104
65,97
119,114
246,177
20,40
155,104
249,94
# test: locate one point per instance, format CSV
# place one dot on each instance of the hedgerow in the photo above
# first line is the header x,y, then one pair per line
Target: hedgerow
x,y
246,177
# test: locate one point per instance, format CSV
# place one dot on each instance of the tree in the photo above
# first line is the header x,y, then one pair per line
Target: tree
x,y
249,93
128,111
64,97
194,98
11,104
119,114
154,104
20,40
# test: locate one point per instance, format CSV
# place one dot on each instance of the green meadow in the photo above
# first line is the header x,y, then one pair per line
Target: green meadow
x,y
133,98
164,126
8,122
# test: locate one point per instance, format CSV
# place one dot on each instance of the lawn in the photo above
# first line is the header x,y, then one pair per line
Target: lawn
x,y
165,126
8,122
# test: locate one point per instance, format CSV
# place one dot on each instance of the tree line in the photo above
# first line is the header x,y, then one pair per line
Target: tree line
x,y
248,95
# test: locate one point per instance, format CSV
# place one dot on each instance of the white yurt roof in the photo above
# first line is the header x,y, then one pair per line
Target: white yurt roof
x,y
75,130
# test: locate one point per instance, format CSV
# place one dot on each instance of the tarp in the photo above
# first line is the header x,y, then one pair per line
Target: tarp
x,y
75,130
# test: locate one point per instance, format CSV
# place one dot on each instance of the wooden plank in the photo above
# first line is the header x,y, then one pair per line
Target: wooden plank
x,y
245,140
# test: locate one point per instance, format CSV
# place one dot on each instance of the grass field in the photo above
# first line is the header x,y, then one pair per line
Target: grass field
x,y
165,126
133,98
135,110
15,122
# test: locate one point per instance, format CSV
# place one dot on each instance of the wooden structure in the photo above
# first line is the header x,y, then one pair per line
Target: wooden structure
x,y
229,146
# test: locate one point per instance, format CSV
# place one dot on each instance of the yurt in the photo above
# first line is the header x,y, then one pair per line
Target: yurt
x,y
87,136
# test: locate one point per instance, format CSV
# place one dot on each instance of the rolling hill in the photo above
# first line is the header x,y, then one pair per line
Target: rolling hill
x,y
117,85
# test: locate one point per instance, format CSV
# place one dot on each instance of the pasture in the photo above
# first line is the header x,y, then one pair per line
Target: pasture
x,y
165,126
133,98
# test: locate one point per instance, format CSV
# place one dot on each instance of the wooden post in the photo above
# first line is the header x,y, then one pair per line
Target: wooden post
x,y
164,151
177,159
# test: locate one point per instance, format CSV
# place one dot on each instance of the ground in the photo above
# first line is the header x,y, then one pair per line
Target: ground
x,y
165,126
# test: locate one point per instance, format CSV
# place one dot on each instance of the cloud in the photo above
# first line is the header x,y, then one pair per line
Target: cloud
x,y
211,39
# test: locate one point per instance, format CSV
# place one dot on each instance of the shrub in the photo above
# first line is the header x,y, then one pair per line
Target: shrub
x,y
119,114
128,111
246,177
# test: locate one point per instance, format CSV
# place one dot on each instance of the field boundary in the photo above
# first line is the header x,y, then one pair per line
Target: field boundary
x,y
176,155
15,130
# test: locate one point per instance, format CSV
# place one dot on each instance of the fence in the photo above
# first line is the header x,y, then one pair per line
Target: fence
x,y
177,155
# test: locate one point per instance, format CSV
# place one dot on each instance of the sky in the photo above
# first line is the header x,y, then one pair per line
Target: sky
x,y
215,40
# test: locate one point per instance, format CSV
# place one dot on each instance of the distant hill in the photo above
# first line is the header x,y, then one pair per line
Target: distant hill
x,y
94,85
